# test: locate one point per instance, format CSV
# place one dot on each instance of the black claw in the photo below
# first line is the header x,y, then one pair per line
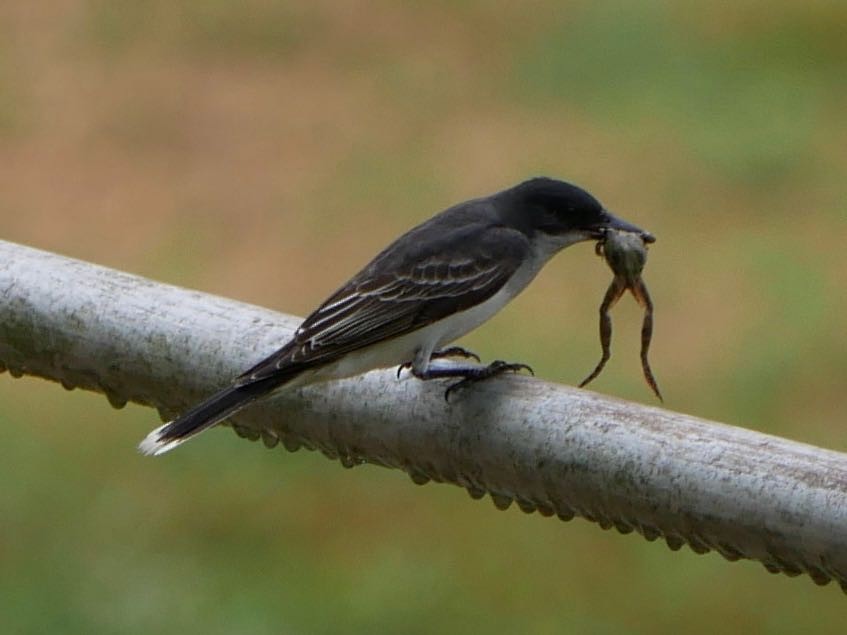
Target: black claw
x,y
451,388
518,367
493,369
455,351
501,367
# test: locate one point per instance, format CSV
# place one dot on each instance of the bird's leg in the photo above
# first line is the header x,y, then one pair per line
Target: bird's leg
x,y
613,294
452,351
639,290
469,374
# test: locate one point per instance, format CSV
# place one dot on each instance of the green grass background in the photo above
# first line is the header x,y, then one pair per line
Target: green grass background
x,y
264,150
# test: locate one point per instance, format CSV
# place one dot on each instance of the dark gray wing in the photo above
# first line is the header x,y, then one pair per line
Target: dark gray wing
x,y
416,281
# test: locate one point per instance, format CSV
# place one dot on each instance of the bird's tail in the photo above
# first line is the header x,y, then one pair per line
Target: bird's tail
x,y
203,416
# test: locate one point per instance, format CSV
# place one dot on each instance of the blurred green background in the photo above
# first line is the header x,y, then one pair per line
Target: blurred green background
x,y
265,150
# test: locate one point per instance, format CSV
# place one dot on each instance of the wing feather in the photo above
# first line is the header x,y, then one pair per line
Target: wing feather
x,y
400,291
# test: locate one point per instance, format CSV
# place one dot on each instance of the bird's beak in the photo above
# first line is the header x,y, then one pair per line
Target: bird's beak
x,y
610,221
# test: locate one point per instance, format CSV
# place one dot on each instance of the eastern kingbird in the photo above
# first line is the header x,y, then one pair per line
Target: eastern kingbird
x,y
429,287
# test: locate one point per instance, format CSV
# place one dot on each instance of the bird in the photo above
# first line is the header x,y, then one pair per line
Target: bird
x,y
432,285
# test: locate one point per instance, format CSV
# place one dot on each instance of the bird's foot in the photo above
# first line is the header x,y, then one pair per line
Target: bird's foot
x,y
474,375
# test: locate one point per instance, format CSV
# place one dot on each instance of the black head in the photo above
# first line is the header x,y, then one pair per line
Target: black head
x,y
555,208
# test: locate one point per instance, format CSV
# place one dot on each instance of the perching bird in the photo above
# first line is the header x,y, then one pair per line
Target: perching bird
x,y
429,287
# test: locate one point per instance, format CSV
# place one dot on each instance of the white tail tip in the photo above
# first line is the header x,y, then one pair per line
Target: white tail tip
x,y
154,445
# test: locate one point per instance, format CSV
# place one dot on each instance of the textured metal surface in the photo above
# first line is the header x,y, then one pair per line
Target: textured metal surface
x,y
549,448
